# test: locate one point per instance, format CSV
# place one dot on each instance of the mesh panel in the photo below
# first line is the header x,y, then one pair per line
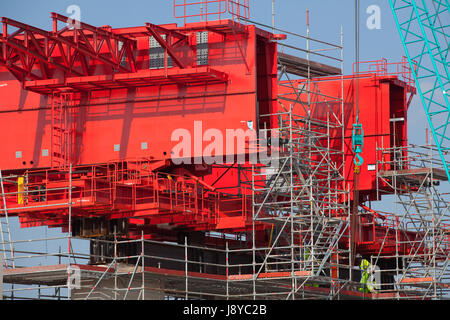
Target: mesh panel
x,y
202,48
157,54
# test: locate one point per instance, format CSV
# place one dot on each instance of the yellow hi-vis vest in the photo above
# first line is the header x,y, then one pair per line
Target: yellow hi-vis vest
x,y
20,189
366,268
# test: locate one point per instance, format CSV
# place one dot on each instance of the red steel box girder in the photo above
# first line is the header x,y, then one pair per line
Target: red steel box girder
x,y
110,80
222,87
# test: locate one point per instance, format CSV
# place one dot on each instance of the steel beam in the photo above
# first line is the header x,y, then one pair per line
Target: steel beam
x,y
154,31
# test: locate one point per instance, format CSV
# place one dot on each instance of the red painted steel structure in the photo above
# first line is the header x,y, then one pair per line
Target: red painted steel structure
x,y
104,96
108,100
114,88
385,97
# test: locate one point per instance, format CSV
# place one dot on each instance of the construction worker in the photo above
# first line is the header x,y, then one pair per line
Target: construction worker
x,y
313,271
38,194
367,279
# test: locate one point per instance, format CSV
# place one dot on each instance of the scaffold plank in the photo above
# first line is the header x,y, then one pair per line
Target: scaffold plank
x,y
265,275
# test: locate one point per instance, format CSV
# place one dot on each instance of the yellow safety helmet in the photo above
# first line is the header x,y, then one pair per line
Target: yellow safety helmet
x,y
364,264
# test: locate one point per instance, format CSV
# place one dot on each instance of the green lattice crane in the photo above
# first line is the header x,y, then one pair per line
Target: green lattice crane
x,y
424,27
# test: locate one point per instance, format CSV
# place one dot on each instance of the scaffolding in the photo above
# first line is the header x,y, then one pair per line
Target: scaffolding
x,y
147,275
146,269
419,225
303,196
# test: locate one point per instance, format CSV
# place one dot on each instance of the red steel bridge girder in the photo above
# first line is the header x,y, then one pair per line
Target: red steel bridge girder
x,y
110,193
60,49
166,44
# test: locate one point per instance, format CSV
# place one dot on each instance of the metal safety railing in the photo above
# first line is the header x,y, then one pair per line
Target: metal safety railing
x,y
208,9
383,68
116,188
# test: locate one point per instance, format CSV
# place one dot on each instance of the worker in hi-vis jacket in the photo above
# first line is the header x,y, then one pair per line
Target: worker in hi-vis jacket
x,y
367,278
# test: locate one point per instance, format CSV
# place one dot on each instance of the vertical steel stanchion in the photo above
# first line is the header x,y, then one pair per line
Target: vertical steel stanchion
x,y
227,272
69,288
186,265
1,276
143,265
115,266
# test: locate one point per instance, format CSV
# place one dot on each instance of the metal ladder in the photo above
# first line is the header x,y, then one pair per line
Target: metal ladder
x,y
327,241
61,131
5,232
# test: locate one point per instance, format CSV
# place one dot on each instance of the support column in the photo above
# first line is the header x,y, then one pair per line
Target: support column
x,y
1,276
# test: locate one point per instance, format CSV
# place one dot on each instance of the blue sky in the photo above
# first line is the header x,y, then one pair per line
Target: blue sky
x,y
326,18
